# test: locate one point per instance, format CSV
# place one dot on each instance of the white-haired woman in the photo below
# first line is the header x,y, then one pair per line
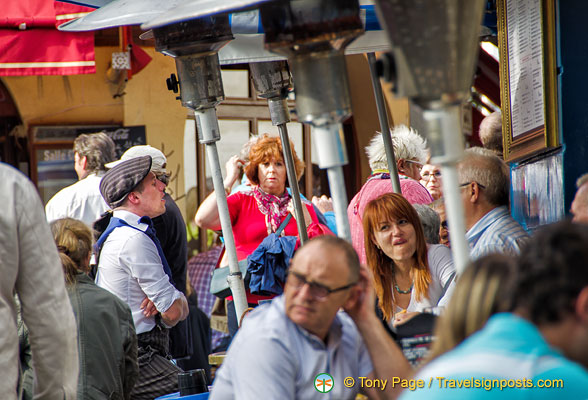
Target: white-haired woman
x,y
410,152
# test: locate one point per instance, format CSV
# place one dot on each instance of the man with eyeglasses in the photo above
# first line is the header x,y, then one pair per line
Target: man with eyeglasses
x,y
484,183
170,229
284,346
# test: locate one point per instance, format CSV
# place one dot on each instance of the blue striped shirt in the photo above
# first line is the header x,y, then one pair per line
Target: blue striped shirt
x,y
496,232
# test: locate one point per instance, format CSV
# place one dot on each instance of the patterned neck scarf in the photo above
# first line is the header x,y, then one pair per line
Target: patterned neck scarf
x,y
273,207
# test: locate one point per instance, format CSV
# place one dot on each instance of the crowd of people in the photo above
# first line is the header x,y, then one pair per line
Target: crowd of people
x,y
117,281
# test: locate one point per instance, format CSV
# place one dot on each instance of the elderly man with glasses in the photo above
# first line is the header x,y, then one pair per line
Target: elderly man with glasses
x,y
484,183
301,345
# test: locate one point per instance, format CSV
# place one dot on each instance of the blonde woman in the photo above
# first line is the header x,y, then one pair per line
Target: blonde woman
x,y
485,288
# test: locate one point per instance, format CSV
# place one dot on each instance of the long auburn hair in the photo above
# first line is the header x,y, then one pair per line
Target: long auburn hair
x,y
392,207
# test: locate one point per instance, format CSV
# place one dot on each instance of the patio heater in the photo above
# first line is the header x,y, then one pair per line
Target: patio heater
x,y
194,44
313,36
272,82
435,46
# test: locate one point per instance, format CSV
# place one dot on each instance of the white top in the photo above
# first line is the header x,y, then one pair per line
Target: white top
x,y
441,287
82,201
30,266
130,267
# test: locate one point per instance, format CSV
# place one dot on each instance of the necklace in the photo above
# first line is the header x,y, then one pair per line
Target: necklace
x,y
402,291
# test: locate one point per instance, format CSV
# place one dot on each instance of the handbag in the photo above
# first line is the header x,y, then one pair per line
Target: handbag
x,y
219,284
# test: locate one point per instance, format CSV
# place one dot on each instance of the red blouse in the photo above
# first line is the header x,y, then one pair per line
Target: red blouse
x,y
249,228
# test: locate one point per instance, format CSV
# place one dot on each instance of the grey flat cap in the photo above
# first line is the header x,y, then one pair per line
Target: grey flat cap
x,y
117,183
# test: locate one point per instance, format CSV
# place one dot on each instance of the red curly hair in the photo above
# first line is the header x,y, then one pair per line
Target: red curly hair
x,y
265,149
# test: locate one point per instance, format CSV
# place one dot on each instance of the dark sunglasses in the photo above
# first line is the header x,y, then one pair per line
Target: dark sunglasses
x,y
164,178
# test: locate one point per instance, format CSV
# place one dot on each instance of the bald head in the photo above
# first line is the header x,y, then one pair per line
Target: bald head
x,y
491,132
579,207
327,244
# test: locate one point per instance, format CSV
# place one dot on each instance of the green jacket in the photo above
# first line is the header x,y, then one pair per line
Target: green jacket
x,y
107,343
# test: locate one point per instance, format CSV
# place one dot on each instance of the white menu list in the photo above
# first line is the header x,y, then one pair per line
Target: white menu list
x,y
525,65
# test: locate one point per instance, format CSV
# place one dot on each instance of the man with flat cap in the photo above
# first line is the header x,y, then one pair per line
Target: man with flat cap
x,y
131,265
171,232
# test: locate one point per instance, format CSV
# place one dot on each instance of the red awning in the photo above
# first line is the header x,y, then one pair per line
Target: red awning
x,y
30,43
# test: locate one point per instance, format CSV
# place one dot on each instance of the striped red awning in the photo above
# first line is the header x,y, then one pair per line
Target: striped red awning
x,y
30,43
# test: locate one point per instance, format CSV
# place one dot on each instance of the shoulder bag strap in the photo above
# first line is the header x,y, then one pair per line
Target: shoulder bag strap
x,y
283,224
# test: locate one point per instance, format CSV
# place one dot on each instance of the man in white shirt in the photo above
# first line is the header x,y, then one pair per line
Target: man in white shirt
x,y
83,200
131,265
171,232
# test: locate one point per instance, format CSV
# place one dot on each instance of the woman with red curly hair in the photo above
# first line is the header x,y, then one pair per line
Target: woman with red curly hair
x,y
260,211
409,275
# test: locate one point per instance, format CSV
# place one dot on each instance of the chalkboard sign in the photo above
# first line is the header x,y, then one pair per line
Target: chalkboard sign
x,y
124,137
53,156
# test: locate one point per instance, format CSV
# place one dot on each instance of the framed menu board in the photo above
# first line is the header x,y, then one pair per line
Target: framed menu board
x,y
528,82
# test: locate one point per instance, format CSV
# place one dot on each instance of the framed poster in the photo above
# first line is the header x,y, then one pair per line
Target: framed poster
x,y
528,81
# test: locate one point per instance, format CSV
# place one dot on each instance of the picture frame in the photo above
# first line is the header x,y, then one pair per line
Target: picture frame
x,y
528,77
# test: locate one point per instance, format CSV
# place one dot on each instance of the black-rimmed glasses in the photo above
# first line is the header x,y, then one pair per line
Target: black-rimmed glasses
x,y
317,290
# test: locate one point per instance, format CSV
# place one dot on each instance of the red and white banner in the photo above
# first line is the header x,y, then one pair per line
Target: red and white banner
x,y
30,43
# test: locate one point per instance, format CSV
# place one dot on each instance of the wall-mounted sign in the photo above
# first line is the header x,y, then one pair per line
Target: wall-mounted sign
x,y
52,166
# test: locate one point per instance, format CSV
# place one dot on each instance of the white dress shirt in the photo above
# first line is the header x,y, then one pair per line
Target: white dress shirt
x,y
130,267
82,201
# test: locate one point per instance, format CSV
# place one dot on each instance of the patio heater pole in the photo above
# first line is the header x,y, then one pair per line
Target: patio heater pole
x,y
272,82
435,47
313,36
194,44
385,127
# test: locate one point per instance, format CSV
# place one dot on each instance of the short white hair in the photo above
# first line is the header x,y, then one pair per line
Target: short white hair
x,y
407,144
